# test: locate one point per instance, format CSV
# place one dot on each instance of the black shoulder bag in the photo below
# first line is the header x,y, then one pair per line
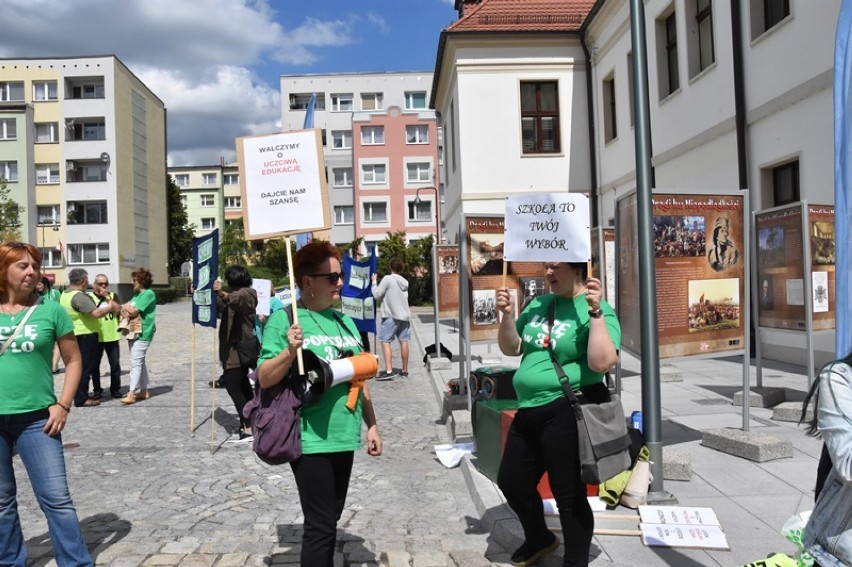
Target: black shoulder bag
x,y
602,435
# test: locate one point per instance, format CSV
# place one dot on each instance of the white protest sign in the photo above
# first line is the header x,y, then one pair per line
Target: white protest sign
x,y
284,296
282,178
264,293
550,227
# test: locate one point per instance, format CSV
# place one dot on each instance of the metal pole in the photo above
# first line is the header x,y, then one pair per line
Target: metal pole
x,y
435,300
647,277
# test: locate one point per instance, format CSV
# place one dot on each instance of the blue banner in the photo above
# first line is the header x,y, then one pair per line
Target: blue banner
x,y
205,271
357,295
842,176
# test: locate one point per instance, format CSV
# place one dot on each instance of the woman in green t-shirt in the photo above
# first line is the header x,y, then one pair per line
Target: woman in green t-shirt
x,y
142,304
331,433
47,293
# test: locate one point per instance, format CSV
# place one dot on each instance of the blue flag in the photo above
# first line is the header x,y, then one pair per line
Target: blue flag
x,y
305,237
357,293
842,176
205,271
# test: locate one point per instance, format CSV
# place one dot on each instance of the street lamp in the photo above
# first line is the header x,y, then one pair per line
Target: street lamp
x,y
417,201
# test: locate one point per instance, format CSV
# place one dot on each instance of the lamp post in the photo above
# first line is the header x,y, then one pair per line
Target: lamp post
x,y
417,201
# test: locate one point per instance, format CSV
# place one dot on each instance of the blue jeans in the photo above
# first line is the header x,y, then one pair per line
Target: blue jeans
x,y
45,463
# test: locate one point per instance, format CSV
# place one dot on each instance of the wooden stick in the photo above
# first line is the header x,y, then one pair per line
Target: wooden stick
x,y
634,517
293,297
192,386
606,531
505,272
213,396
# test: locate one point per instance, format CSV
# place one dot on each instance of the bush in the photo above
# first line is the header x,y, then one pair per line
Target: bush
x,y
167,294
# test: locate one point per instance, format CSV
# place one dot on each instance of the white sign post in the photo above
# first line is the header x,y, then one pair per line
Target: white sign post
x,y
551,227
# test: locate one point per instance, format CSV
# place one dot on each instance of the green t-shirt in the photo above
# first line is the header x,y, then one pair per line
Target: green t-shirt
x,y
26,371
535,381
52,295
108,324
327,426
146,302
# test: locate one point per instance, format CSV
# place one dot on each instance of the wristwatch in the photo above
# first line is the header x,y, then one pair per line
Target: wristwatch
x,y
595,313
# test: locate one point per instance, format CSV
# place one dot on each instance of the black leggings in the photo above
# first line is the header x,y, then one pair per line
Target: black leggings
x,y
239,388
545,439
323,481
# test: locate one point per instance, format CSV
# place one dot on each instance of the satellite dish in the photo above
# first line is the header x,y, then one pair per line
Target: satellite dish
x,y
104,157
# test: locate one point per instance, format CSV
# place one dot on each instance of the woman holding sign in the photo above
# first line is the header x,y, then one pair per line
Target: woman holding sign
x,y
585,336
331,432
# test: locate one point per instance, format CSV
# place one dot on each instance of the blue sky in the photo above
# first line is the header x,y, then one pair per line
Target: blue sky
x,y
216,63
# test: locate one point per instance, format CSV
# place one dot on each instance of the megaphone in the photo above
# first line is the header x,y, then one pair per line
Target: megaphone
x,y
322,374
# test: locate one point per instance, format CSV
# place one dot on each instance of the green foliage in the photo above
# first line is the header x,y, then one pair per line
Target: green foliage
x,y
417,258
10,215
180,231
273,259
167,294
264,273
352,249
233,247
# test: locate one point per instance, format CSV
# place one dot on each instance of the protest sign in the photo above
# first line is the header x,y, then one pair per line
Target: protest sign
x,y
550,227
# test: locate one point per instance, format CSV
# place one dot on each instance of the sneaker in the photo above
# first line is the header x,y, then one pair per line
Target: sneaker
x,y
244,437
525,556
387,375
404,374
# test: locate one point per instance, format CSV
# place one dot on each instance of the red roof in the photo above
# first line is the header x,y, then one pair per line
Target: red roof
x,y
523,15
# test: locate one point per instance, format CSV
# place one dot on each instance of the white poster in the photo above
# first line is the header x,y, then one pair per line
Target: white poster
x,y
795,292
609,257
820,291
549,227
282,177
359,276
264,294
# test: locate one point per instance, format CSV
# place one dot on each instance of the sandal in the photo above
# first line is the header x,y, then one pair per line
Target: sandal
x,y
90,403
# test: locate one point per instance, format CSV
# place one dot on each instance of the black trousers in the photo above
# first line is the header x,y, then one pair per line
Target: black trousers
x,y
323,481
545,439
239,388
113,352
88,345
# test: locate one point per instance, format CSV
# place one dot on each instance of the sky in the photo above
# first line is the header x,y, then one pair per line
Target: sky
x,y
216,64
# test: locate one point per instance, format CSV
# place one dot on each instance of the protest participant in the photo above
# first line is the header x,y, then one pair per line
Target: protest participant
x,y
396,315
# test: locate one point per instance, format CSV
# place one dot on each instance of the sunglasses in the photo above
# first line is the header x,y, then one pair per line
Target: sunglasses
x,y
332,278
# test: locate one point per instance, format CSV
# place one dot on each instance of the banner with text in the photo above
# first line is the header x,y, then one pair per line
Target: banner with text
x,y
205,271
548,227
356,296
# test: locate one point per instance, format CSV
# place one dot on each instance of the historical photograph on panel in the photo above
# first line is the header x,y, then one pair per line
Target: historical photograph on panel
x,y
678,236
770,243
530,288
767,293
822,243
722,251
486,254
484,307
448,265
714,304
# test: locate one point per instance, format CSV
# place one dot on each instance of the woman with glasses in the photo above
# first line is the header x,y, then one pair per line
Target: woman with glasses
x,y
237,308
331,433
31,416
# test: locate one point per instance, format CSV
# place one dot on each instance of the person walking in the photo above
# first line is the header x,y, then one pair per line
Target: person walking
x,y
143,304
396,315
85,314
109,340
331,432
237,308
584,338
31,417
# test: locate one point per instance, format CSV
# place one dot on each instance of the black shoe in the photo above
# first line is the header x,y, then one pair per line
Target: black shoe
x,y
116,394
96,395
525,556
219,383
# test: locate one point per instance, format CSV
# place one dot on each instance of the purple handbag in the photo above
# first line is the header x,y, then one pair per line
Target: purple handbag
x,y
274,417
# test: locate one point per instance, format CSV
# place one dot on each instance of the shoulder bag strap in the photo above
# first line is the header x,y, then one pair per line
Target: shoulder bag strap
x,y
560,372
20,327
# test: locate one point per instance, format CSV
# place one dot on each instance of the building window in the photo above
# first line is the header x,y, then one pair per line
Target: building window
x,y
182,180
8,129
371,101
299,101
375,212
341,139
374,173
341,102
184,201
610,128
77,129
418,134
415,100
12,92
208,224
344,215
209,178
233,202
9,171
372,135
699,33
420,171
44,90
208,200
88,88
76,172
47,214
342,176
87,212
46,132
766,14
88,253
785,183
668,77
420,212
51,258
539,118
47,173
231,178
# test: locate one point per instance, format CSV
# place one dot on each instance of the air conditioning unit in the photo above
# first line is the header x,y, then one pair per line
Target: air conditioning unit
x,y
70,166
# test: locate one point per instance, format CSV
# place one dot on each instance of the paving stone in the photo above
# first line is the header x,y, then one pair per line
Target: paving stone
x,y
761,397
677,465
163,559
747,444
792,412
232,560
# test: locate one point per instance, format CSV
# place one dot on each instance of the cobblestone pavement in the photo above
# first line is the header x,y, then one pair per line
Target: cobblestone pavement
x,y
151,491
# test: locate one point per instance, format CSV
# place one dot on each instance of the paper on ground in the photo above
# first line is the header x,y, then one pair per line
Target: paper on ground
x,y
674,535
451,454
551,508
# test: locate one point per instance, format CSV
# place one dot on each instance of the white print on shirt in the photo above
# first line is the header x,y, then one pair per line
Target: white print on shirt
x,y
333,346
559,330
24,342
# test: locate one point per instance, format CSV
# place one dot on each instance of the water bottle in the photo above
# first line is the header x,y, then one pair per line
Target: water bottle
x,y
636,421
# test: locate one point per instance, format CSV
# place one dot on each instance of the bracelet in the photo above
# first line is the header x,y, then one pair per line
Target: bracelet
x,y
66,408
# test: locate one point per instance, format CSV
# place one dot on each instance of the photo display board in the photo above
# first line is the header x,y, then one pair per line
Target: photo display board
x,y
603,260
781,270
485,238
700,273
448,280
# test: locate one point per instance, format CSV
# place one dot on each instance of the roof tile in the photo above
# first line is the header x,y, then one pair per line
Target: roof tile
x,y
523,15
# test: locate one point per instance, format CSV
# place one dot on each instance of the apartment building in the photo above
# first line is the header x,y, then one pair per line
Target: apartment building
x,y
380,144
83,149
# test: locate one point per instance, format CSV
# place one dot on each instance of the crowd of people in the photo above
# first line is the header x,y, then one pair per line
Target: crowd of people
x,y
674,238
706,314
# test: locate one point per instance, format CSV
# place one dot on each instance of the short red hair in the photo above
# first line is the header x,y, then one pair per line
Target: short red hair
x,y
11,252
309,257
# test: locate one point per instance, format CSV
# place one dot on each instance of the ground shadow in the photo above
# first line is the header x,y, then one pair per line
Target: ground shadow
x,y
290,538
673,433
226,420
99,531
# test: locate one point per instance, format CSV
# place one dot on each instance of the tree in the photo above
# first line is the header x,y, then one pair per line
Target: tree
x,y
353,248
233,247
180,231
10,215
273,257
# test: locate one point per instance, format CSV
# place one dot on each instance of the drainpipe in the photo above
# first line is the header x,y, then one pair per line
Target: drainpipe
x,y
593,194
